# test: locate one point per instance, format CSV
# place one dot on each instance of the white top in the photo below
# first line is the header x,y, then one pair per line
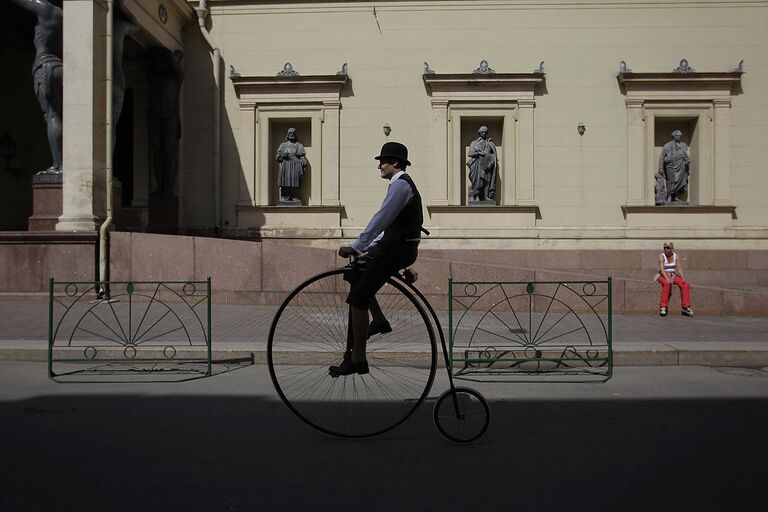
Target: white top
x,y
670,266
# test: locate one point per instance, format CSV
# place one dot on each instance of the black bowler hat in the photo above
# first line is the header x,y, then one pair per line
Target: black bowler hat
x,y
394,150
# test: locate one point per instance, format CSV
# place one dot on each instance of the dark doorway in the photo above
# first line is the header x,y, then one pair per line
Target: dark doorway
x,y
122,160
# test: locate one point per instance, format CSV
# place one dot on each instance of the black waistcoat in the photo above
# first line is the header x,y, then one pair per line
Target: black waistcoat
x,y
407,225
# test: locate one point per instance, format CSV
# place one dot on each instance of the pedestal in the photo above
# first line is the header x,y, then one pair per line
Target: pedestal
x,y
482,202
163,214
289,202
46,202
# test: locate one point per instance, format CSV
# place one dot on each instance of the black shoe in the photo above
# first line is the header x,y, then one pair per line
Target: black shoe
x,y
382,328
347,367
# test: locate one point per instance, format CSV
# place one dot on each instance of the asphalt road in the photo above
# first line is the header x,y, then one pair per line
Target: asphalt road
x,y
667,438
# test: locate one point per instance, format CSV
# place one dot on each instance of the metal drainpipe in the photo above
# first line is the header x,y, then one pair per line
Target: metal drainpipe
x,y
103,231
202,13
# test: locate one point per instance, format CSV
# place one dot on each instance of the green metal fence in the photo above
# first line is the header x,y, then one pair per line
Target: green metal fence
x,y
153,330
548,331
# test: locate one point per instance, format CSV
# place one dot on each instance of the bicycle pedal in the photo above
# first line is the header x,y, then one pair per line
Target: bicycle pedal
x,y
410,276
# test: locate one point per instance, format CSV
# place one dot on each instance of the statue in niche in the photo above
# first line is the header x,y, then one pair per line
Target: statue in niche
x,y
164,76
48,73
674,168
124,25
482,163
292,159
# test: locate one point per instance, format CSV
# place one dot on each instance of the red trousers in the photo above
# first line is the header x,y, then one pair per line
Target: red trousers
x,y
666,291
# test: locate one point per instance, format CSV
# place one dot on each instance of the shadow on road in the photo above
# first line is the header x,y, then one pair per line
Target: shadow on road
x,y
220,453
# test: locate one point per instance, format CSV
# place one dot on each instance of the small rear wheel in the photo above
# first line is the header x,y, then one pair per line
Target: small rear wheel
x,y
462,415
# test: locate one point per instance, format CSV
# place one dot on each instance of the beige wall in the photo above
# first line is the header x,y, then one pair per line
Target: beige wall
x,y
580,181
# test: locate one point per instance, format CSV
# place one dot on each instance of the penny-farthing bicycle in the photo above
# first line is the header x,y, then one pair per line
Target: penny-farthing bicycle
x,y
311,332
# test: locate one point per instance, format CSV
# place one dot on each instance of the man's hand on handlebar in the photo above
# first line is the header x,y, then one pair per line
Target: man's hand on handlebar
x,y
346,252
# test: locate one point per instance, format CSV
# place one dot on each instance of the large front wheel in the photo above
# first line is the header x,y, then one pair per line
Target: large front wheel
x,y
309,334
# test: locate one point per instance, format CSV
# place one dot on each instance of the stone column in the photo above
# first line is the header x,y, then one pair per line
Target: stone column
x,y
84,113
438,189
525,163
722,156
330,139
635,154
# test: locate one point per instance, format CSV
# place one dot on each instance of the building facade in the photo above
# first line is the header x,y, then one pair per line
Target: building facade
x,y
579,97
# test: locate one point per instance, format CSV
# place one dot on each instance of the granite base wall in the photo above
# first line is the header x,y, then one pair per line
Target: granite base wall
x,y
29,259
722,282
250,272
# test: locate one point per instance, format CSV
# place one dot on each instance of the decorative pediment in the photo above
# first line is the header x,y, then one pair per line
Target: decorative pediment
x,y
483,86
270,89
674,84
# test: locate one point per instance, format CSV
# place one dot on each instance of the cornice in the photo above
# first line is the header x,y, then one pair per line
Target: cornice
x,y
663,209
680,86
253,90
516,84
481,79
285,6
309,209
728,77
264,82
466,209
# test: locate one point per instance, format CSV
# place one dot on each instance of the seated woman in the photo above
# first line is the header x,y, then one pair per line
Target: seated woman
x,y
671,272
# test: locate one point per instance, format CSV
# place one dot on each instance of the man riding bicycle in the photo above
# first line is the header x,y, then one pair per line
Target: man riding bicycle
x,y
390,241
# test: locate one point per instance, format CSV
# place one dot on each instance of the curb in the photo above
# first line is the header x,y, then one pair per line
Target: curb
x,y
668,356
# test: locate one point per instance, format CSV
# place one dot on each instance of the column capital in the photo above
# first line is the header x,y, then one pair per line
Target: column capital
x,y
439,103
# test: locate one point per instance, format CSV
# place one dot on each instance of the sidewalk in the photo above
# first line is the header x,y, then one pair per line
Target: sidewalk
x,y
638,340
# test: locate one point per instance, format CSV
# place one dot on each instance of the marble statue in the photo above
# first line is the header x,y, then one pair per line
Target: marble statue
x,y
292,159
674,168
48,73
164,72
483,164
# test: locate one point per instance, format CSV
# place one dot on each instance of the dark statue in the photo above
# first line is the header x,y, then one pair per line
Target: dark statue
x,y
124,24
292,159
164,76
482,163
674,168
48,72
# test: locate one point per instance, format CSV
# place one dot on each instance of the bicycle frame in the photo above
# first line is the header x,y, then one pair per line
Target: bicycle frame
x,y
439,328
